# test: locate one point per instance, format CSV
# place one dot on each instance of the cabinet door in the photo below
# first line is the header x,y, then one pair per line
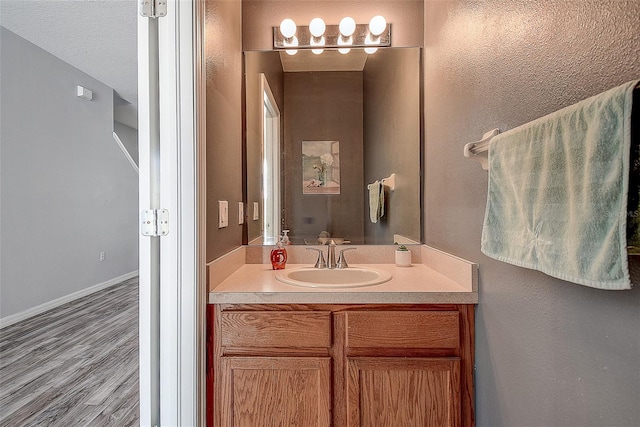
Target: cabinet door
x,y
395,391
275,391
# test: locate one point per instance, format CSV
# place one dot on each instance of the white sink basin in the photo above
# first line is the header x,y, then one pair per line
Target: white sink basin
x,y
351,277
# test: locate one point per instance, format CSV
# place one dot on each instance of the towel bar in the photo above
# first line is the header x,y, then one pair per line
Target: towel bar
x,y
479,150
389,182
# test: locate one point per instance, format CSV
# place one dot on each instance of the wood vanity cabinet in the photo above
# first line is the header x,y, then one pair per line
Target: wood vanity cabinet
x,y
341,365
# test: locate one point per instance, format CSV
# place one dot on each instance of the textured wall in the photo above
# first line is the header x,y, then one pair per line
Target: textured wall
x,y
324,106
68,192
549,353
223,46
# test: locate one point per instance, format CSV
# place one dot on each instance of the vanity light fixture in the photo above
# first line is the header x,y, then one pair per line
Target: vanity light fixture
x,y
346,35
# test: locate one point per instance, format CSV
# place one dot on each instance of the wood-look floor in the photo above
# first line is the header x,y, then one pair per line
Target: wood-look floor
x,y
74,365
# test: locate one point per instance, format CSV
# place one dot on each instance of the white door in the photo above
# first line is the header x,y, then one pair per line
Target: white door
x,y
172,294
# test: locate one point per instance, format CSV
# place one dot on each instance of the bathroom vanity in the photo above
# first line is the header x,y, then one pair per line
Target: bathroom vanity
x,y
343,365
398,353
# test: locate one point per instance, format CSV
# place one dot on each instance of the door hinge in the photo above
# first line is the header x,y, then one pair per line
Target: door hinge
x,y
155,222
153,8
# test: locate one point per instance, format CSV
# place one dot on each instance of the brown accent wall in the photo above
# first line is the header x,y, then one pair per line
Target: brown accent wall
x,y
323,106
548,352
393,139
223,47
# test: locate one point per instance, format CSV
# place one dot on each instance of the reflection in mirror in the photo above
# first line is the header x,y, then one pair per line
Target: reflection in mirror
x,y
270,164
364,110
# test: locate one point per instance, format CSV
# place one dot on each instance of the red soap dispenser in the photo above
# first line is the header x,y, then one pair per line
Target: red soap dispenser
x,y
278,256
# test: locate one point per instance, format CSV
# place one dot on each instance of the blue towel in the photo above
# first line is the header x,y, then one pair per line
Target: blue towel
x,y
557,197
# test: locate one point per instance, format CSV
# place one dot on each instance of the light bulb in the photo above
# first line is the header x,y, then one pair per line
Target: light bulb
x,y
347,26
317,51
291,51
288,28
371,50
344,51
377,25
317,27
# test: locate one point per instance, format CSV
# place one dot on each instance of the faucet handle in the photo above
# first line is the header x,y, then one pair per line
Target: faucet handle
x,y
342,261
320,262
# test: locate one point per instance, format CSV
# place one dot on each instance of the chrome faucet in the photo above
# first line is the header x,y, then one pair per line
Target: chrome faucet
x,y
331,262
331,254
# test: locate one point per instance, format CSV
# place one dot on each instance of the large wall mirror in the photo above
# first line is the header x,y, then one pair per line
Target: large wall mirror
x,y
321,130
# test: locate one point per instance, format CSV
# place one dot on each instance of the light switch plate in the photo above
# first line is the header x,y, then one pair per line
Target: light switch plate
x,y
256,211
223,213
240,213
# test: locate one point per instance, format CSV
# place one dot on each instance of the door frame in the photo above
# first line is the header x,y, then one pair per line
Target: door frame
x,y
172,267
270,136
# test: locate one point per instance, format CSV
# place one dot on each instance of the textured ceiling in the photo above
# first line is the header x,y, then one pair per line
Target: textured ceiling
x,y
97,37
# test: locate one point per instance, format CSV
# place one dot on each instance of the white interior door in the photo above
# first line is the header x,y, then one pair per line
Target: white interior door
x,y
172,294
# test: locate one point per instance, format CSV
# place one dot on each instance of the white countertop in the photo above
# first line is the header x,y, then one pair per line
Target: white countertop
x,y
418,284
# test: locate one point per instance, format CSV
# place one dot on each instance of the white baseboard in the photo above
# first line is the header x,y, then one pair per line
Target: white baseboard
x,y
15,318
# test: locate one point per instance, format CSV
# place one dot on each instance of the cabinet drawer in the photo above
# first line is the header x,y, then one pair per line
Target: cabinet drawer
x,y
260,329
403,329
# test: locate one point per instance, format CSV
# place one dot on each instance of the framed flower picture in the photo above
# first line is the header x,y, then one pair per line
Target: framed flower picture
x,y
320,167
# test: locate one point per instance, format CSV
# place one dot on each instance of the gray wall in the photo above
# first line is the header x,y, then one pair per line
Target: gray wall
x,y
223,50
548,352
67,190
393,140
324,106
